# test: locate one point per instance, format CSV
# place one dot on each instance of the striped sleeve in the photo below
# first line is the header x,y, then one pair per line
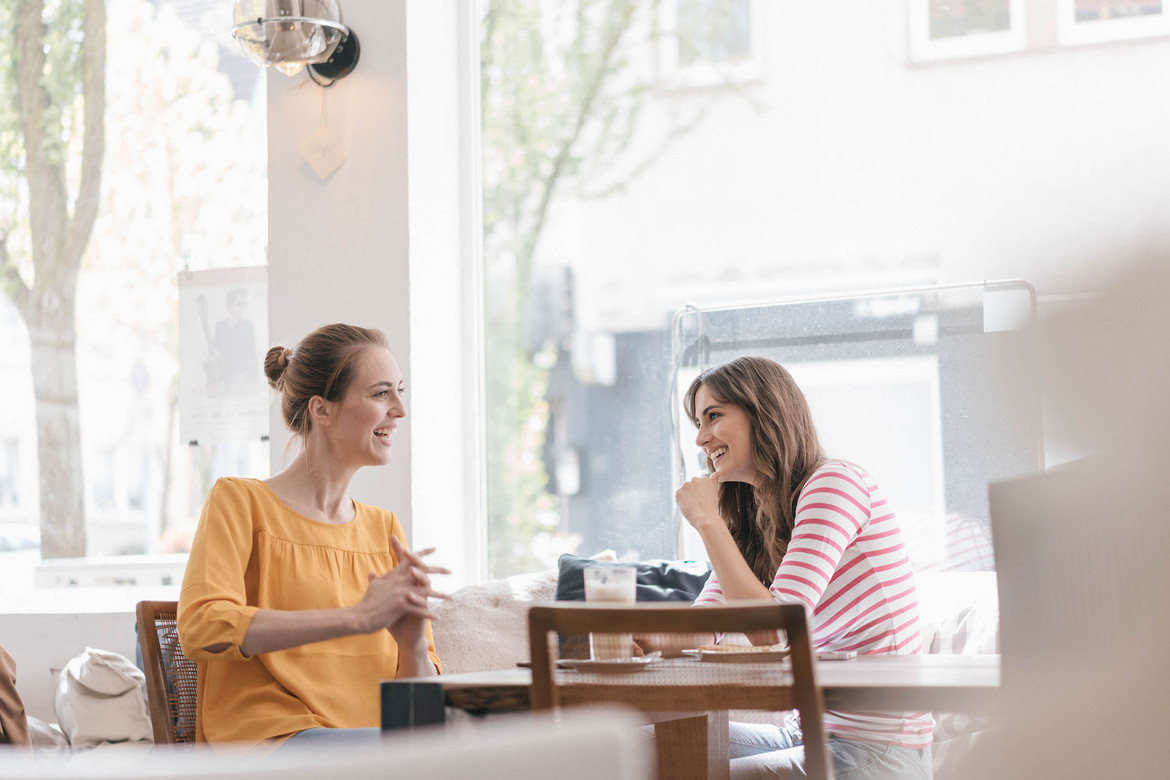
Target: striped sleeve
x,y
712,593
833,510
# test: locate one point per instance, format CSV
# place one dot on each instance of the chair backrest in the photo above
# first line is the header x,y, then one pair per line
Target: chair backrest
x,y
171,679
685,684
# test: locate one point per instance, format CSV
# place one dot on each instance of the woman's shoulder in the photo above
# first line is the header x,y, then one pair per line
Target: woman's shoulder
x,y
841,468
240,496
226,487
840,474
375,514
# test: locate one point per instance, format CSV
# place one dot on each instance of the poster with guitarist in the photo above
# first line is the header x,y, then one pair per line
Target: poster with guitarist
x,y
223,322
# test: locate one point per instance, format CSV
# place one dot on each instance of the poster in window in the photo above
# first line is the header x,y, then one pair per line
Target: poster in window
x,y
946,29
223,333
1100,21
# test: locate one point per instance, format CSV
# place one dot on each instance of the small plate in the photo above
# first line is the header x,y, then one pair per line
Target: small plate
x,y
738,656
615,666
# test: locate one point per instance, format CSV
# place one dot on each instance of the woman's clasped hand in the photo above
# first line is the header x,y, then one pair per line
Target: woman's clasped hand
x,y
398,600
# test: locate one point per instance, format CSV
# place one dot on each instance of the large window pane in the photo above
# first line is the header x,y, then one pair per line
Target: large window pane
x,y
932,391
617,193
183,186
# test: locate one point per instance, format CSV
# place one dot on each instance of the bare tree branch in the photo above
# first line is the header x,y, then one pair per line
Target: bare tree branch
x,y
618,26
46,180
649,161
94,140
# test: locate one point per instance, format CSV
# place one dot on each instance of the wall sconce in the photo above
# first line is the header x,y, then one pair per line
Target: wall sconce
x,y
294,34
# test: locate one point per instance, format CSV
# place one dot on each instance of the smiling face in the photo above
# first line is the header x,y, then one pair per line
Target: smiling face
x,y
725,434
363,422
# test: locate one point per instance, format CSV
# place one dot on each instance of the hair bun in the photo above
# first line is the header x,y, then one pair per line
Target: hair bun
x,y
275,364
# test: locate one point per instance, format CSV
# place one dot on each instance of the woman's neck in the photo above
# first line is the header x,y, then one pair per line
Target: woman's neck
x,y
315,490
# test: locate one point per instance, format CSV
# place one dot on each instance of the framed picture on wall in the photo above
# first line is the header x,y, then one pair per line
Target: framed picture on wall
x,y
710,42
1098,21
947,29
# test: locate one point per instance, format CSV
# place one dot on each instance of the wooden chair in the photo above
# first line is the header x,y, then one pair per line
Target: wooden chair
x,y
693,745
170,676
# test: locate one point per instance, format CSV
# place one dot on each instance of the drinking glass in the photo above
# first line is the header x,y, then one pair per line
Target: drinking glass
x,y
613,585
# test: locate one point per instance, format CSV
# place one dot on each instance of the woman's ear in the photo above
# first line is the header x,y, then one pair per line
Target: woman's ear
x,y
321,412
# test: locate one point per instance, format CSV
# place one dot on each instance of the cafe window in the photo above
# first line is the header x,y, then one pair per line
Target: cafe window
x,y
183,186
845,169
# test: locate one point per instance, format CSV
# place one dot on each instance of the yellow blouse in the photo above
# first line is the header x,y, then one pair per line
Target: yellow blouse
x,y
252,551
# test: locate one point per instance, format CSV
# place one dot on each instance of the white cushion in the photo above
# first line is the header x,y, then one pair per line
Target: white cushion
x,y
46,736
483,627
101,697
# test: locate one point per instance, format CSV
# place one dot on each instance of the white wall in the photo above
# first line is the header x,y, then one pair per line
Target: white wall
x,y
350,249
338,248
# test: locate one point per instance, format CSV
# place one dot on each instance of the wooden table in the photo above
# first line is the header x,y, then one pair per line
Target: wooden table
x,y
938,683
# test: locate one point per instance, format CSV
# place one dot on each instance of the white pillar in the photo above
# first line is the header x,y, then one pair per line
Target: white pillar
x,y
386,241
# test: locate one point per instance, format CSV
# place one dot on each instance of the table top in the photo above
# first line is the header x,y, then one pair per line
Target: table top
x,y
941,683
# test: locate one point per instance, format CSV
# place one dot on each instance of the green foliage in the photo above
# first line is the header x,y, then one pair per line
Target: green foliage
x,y
64,34
183,184
62,39
11,151
11,147
558,96
563,87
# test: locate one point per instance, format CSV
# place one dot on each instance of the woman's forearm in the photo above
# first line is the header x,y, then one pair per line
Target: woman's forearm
x,y
415,661
275,629
735,576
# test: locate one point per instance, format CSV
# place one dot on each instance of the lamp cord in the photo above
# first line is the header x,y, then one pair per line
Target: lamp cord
x,y
323,84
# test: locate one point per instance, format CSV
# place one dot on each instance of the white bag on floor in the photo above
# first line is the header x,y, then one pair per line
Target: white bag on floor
x,y
101,697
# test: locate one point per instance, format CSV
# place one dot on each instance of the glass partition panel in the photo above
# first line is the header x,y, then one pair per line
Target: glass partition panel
x,y
908,384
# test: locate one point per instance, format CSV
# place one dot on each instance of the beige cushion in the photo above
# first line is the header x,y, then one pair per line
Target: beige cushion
x,y
484,627
101,697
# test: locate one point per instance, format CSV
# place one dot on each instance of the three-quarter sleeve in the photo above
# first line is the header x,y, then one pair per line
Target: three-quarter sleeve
x,y
213,604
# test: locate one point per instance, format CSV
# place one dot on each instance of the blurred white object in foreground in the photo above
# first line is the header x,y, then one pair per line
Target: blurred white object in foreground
x,y
576,744
1084,589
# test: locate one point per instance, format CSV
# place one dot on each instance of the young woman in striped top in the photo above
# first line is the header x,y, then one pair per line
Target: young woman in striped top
x,y
781,520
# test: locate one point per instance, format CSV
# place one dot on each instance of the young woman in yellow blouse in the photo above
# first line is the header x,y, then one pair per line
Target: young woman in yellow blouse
x,y
298,600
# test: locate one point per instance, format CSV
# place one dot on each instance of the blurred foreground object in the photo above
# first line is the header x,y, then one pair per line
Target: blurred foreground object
x,y
1081,552
586,743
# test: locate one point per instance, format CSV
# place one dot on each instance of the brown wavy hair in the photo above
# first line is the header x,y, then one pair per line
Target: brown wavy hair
x,y
785,450
323,364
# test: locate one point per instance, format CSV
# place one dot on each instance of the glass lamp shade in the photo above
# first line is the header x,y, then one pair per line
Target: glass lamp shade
x,y
288,34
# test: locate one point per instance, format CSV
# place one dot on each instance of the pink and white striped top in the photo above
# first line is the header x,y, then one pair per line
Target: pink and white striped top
x,y
846,563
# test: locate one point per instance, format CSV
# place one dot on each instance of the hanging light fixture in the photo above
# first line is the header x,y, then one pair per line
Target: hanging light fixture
x,y
292,34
